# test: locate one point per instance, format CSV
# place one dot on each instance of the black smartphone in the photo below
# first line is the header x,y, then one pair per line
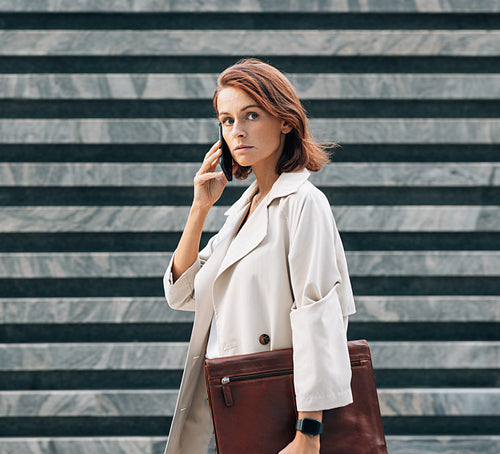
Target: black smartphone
x,y
226,161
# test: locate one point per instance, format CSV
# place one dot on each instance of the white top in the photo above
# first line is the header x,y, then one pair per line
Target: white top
x,y
212,347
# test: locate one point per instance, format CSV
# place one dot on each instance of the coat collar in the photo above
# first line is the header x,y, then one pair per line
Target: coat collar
x,y
286,184
255,229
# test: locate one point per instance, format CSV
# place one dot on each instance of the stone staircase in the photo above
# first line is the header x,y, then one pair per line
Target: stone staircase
x,y
105,113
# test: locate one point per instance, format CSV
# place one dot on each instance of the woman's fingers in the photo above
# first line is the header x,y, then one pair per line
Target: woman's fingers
x,y
209,167
203,177
214,163
209,160
214,147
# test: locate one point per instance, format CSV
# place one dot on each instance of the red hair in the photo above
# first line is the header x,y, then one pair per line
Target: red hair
x,y
275,94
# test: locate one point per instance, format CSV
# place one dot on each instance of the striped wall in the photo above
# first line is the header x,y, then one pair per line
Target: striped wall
x,y
105,113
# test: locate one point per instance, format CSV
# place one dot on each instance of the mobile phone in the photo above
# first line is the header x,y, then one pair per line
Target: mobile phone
x,y
226,161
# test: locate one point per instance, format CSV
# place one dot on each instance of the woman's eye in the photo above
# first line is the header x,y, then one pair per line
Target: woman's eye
x,y
228,121
252,115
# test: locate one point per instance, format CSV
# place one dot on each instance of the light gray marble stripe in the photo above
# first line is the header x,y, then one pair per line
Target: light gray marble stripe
x,y
88,403
93,356
440,402
424,263
386,309
171,355
427,309
435,444
251,42
369,218
83,445
182,174
201,86
393,402
245,6
422,218
153,264
203,131
397,444
92,310
435,355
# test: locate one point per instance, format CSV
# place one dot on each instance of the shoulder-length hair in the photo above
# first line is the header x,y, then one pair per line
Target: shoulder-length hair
x,y
275,94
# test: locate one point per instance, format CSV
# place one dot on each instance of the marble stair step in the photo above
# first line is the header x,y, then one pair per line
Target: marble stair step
x,y
368,218
418,355
201,86
93,356
386,309
155,445
185,43
153,264
87,403
148,403
87,445
432,444
247,6
203,131
182,174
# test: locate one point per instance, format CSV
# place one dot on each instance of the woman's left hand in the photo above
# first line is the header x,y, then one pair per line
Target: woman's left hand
x,y
302,444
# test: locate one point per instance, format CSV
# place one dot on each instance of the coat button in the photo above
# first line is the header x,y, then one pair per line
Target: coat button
x,y
264,339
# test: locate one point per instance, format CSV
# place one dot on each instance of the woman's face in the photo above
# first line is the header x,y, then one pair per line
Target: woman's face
x,y
255,137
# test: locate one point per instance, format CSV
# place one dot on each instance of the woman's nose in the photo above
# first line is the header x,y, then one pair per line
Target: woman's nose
x,y
238,130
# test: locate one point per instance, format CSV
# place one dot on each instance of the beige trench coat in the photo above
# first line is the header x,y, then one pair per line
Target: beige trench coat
x,y
285,275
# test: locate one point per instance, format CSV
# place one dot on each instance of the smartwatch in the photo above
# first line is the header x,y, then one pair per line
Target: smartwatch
x,y
309,426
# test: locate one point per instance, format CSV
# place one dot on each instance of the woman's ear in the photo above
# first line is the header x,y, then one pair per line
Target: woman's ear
x,y
285,127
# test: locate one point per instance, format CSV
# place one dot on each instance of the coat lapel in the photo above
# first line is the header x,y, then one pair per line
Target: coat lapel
x,y
248,238
254,231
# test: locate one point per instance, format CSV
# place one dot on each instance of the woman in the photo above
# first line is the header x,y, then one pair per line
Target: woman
x,y
275,275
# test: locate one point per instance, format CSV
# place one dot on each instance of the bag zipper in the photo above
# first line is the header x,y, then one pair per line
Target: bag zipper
x,y
225,381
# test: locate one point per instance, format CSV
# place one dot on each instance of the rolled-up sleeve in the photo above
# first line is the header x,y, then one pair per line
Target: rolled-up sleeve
x,y
322,371
180,293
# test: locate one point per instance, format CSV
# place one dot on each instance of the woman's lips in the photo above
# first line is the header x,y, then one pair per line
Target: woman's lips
x,y
242,148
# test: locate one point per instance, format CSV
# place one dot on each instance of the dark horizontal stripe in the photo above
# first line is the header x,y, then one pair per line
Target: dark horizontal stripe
x,y
84,426
167,241
438,378
90,379
213,64
247,20
159,426
161,379
441,425
181,332
105,152
368,152
408,285
424,331
182,196
333,108
83,287
97,332
92,242
458,152
441,241
130,287
102,196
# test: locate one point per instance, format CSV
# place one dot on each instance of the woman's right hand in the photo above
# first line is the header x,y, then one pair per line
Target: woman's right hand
x,y
209,184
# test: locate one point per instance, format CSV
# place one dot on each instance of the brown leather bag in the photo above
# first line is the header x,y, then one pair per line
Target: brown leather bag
x,y
252,401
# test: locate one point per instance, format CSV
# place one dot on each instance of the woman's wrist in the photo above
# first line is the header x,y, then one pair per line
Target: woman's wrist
x,y
308,443
318,415
304,439
200,208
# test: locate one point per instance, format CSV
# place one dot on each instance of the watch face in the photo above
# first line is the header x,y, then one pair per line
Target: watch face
x,y
310,426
